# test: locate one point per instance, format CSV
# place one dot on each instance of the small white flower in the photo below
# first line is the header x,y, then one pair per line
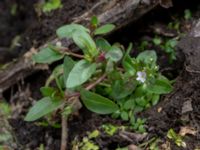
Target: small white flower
x,y
141,76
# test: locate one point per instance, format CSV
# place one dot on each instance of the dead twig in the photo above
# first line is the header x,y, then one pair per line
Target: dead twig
x,y
64,133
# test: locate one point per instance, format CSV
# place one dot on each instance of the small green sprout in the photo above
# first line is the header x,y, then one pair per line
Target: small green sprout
x,y
110,129
87,142
171,134
50,5
168,46
187,14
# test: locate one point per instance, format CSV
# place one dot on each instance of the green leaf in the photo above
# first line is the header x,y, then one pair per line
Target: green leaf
x,y
121,89
127,62
187,14
141,129
67,31
104,29
80,73
114,54
124,115
42,107
51,5
97,103
103,44
57,72
94,21
157,41
109,66
68,66
47,91
56,75
84,41
148,57
141,101
161,86
155,98
129,104
47,55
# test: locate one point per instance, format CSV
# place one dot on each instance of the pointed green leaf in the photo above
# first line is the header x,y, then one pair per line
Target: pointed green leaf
x,y
98,103
47,91
127,62
103,44
114,54
104,29
47,55
68,65
84,41
80,73
94,21
160,87
42,107
129,104
67,31
155,98
124,116
48,6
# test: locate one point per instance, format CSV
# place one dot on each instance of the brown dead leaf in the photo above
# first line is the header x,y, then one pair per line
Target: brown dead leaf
x,y
187,130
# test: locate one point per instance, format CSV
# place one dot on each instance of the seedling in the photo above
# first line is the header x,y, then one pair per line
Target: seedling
x,y
103,77
47,6
168,46
171,134
187,14
110,129
87,142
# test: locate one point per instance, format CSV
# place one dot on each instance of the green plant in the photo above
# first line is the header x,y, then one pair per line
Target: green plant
x,y
168,46
87,142
187,14
50,5
5,109
143,45
103,77
110,129
171,134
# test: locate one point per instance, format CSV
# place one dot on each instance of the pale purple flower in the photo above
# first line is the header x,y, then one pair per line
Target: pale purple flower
x,y
141,76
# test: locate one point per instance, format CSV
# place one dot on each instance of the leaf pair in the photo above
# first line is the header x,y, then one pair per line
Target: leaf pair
x,y
80,36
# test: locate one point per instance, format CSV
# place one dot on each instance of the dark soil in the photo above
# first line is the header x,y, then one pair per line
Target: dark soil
x,y
33,29
36,30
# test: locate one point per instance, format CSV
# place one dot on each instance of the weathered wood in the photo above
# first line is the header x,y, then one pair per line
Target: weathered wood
x,y
118,12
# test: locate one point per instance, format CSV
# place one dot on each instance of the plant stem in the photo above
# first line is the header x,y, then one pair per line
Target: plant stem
x,y
64,133
89,87
68,52
64,117
92,85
